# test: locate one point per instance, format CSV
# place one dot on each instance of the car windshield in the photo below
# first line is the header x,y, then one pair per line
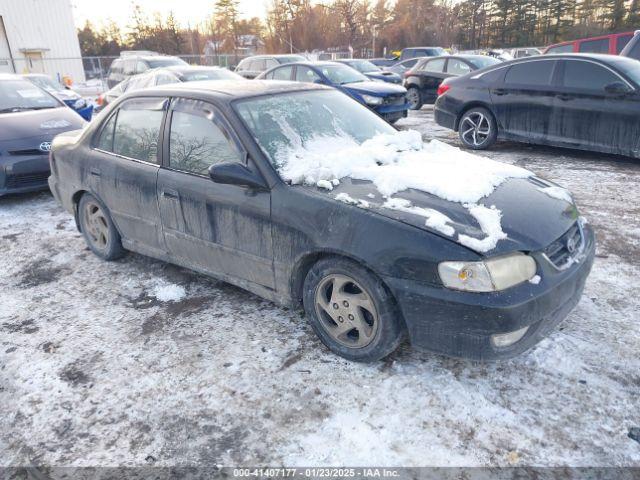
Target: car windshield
x,y
291,59
285,121
209,74
20,94
165,62
342,74
47,83
364,66
486,61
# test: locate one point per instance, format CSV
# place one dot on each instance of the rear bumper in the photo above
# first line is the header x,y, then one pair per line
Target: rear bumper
x,y
24,174
444,118
461,324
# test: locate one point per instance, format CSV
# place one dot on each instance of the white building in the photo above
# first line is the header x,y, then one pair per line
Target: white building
x,y
39,36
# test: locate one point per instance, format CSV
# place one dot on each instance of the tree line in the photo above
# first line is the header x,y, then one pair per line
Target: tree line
x,y
369,27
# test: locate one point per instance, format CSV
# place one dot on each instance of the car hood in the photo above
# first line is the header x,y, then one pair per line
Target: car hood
x,y
531,218
384,75
38,123
374,88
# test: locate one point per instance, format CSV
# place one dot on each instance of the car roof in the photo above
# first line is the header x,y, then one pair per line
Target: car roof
x,y
228,90
10,76
188,68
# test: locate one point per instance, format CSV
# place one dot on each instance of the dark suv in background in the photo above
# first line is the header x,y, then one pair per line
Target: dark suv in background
x,y
133,63
251,67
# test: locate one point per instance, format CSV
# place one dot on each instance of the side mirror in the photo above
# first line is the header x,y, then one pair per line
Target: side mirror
x,y
233,173
617,88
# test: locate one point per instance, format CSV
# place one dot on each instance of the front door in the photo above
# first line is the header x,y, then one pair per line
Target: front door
x,y
431,76
123,171
221,229
590,117
524,101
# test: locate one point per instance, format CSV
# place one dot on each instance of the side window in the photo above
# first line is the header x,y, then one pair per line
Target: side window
x,y
141,67
305,74
138,128
258,65
116,66
594,46
457,67
270,63
535,74
283,73
105,141
568,48
243,65
129,67
196,142
587,76
622,41
269,76
634,51
410,63
435,66
164,79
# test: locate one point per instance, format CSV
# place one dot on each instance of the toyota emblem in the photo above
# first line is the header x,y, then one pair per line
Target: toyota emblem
x,y
572,243
45,147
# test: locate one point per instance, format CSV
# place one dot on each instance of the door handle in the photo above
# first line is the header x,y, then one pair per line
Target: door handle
x,y
95,172
499,91
172,194
565,97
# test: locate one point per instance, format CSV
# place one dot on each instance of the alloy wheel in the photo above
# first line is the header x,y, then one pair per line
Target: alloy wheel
x,y
413,97
96,225
476,129
346,311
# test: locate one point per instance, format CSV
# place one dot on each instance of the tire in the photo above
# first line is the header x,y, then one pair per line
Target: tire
x,y
414,97
98,229
478,129
376,327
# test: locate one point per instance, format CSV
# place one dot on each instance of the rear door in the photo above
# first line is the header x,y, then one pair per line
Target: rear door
x,y
221,229
431,76
590,117
124,167
523,102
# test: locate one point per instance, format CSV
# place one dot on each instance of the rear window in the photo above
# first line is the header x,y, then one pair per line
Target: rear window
x,y
568,48
535,74
116,66
634,52
594,46
165,62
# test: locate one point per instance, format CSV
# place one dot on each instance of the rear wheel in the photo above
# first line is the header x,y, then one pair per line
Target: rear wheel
x,y
98,229
351,310
414,98
478,129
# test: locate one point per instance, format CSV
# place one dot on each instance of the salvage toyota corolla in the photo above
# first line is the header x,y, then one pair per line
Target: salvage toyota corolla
x,y
298,193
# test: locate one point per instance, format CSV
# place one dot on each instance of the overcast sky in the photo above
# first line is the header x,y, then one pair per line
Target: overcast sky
x,y
190,12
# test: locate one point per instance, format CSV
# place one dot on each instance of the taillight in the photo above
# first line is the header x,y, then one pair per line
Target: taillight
x,y
100,100
442,89
407,73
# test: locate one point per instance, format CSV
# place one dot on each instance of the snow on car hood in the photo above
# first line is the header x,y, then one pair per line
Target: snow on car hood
x,y
480,203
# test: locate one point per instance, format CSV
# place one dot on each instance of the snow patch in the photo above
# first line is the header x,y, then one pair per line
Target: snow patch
x,y
169,293
489,221
326,184
435,219
396,162
535,279
346,198
558,193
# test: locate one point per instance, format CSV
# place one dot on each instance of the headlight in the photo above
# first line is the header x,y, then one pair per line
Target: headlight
x,y
80,103
371,100
491,275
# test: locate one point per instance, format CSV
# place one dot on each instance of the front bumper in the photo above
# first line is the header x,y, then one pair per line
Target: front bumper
x,y
460,324
22,174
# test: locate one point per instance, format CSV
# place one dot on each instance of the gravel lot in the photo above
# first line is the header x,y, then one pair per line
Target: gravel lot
x,y
137,362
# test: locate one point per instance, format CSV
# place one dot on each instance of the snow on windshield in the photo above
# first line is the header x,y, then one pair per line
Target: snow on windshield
x,y
398,161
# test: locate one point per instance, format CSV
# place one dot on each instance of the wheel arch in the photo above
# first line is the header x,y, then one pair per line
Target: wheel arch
x,y
475,104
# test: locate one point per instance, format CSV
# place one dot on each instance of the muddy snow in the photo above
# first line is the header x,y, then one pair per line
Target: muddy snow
x,y
137,362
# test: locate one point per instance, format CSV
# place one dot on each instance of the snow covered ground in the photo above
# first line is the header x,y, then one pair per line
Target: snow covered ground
x,y
141,363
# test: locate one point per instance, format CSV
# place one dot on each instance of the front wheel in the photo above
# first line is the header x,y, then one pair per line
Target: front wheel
x,y
351,310
478,129
414,98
